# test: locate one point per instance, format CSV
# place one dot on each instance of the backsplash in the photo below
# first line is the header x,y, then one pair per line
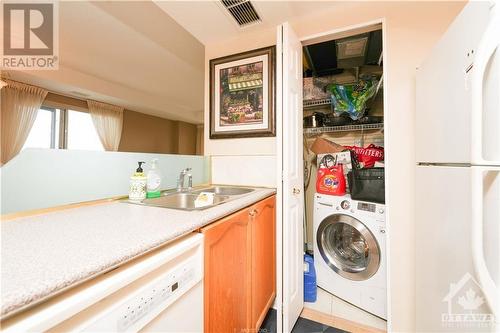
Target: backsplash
x,y
249,170
41,178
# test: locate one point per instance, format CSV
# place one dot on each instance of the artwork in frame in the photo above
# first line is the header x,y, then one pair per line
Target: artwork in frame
x,y
242,95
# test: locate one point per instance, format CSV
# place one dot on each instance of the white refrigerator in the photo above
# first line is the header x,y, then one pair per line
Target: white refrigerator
x,y
458,177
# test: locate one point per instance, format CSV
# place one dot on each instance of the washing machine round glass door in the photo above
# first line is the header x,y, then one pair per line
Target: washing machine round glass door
x,y
348,247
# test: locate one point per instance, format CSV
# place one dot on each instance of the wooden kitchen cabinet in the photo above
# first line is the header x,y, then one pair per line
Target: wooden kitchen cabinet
x,y
227,286
263,225
240,268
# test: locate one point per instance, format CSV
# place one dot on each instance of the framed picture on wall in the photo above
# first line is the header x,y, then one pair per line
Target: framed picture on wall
x,y
242,95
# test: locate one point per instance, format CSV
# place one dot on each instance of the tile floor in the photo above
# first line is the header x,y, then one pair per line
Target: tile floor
x,y
302,326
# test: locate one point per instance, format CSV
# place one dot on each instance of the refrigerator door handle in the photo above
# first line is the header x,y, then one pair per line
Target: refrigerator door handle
x,y
484,52
478,176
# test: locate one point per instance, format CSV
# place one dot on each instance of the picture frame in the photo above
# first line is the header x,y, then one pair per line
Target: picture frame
x,y
242,95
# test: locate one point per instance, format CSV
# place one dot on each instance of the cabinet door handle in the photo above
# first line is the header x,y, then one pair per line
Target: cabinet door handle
x,y
253,212
296,190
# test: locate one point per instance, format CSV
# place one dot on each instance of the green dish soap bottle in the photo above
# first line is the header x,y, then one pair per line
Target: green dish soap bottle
x,y
154,180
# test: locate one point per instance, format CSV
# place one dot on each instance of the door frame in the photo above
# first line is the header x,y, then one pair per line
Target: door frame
x,y
325,35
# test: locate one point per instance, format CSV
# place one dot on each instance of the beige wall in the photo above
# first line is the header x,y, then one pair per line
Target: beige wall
x,y
145,133
187,138
411,28
199,139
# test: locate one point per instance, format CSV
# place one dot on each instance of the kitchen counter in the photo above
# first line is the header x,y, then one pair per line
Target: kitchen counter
x,y
45,254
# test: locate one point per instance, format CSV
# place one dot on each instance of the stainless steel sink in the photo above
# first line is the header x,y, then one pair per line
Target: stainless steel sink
x,y
185,200
226,190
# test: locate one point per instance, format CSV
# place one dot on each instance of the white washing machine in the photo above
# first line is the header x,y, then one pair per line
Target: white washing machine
x,y
350,251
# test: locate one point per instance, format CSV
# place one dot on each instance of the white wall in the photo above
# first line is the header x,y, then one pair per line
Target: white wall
x,y
244,170
411,30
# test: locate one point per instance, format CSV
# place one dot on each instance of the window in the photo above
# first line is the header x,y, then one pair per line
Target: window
x,y
63,129
43,133
81,132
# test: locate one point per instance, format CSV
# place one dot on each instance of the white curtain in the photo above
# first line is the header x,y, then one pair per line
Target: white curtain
x,y
108,121
20,104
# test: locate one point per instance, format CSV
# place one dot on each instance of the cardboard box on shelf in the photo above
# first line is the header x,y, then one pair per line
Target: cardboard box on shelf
x,y
324,146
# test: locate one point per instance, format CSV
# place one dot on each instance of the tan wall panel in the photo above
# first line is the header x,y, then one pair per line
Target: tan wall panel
x,y
61,101
187,138
199,139
144,133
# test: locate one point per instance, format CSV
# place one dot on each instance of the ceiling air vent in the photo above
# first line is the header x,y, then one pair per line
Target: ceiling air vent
x,y
242,11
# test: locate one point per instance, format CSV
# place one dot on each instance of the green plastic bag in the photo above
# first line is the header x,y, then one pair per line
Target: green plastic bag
x,y
351,99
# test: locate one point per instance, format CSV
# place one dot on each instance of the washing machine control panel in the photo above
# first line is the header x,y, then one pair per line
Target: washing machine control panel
x,y
345,204
367,207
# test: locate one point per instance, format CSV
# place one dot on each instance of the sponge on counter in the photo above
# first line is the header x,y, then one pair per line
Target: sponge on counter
x,y
204,199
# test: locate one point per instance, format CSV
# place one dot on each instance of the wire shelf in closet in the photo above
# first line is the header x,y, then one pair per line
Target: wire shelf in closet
x,y
344,128
316,102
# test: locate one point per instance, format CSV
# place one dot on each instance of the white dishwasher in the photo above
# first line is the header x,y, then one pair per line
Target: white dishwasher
x,y
168,299
161,291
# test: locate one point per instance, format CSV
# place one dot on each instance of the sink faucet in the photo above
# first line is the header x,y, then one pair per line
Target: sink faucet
x,y
180,181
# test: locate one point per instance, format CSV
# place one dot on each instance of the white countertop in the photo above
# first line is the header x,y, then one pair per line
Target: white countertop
x,y
43,254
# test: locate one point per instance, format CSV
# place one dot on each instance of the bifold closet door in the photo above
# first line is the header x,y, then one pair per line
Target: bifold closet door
x,y
289,105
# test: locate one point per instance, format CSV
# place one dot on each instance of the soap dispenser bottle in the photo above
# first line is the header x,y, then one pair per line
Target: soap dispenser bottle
x,y
153,180
138,184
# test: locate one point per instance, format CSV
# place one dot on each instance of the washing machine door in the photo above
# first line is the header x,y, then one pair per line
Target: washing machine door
x,y
348,247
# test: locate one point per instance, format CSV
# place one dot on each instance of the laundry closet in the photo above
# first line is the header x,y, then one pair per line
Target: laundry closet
x,y
343,129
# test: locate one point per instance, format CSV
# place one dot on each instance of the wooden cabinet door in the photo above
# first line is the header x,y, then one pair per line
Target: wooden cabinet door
x,y
263,225
227,285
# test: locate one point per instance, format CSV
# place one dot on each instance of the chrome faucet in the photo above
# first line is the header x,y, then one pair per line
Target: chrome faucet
x,y
180,181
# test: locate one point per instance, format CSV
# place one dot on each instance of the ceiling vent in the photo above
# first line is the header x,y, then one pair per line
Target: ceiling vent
x,y
242,11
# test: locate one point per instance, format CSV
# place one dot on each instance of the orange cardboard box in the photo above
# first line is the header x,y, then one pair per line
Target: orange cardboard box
x,y
324,146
